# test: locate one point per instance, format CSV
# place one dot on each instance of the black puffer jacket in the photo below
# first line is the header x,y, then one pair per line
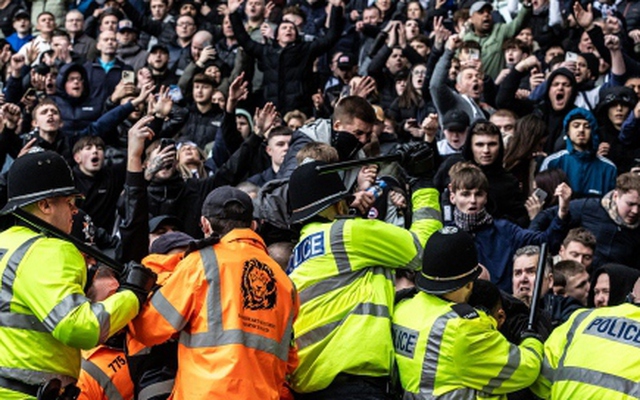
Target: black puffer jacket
x,y
287,69
76,112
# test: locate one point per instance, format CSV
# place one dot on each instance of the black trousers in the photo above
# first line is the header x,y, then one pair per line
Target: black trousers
x,y
351,387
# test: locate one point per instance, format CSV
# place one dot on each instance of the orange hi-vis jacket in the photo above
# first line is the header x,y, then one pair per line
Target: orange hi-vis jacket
x,y
105,375
234,308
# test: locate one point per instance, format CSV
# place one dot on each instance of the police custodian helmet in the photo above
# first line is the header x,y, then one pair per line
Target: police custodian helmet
x,y
37,176
311,192
449,261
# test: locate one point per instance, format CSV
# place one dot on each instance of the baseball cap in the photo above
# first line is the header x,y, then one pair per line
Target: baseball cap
x,y
156,222
169,241
346,61
22,13
216,201
456,120
126,25
158,46
479,5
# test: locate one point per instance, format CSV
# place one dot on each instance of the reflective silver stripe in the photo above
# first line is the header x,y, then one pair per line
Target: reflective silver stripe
x,y
21,321
457,394
168,311
317,334
427,213
416,262
507,371
340,281
600,379
571,333
62,309
33,377
9,274
430,363
110,390
104,320
216,335
547,371
157,389
336,240
329,284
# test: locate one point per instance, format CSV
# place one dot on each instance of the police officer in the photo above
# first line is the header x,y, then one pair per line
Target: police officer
x,y
45,317
344,271
445,348
594,355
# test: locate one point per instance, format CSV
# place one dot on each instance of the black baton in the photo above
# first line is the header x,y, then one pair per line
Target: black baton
x,y
537,288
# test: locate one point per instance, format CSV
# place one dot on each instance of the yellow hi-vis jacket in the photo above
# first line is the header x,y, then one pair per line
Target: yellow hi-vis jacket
x,y
45,317
446,350
594,355
344,273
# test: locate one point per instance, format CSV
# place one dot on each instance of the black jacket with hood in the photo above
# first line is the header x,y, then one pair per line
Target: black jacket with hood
x,y
76,112
506,98
621,281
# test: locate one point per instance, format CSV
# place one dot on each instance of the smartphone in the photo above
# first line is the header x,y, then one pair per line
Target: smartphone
x,y
167,143
474,54
30,92
128,76
571,56
540,194
206,44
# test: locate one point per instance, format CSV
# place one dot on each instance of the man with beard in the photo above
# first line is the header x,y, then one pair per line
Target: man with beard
x,y
469,85
589,174
158,63
490,35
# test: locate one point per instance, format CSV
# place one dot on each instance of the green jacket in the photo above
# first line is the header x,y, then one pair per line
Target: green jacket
x,y
344,273
492,54
45,317
446,350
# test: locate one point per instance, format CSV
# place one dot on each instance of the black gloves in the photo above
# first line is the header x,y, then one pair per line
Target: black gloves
x,y
417,158
139,279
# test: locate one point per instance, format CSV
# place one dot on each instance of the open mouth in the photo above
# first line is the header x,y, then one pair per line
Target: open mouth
x,y
95,160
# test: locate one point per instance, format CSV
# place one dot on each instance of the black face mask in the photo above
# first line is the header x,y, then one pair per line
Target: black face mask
x,y
346,144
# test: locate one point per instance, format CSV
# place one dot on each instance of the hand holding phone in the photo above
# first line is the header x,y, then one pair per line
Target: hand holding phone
x,y
128,77
540,194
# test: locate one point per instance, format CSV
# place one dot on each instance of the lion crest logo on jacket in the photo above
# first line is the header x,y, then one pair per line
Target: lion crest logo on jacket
x,y
258,286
